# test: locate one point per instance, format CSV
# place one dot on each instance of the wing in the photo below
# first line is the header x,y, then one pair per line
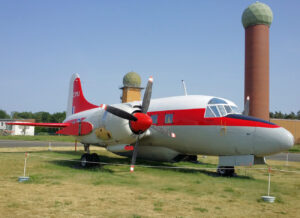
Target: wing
x,y
76,129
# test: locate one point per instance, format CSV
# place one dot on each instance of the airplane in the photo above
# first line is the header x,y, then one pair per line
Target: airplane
x,y
170,129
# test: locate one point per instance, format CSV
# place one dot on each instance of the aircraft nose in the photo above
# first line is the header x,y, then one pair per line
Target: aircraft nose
x,y
286,139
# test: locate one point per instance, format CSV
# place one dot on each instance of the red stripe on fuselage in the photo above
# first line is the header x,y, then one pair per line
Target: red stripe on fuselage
x,y
195,117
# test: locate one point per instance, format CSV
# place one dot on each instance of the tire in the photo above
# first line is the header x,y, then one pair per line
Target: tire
x,y
84,160
226,171
95,158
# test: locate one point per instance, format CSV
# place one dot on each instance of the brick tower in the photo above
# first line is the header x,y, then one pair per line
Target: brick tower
x,y
256,20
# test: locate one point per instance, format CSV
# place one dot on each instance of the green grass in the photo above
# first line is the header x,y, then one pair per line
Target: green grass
x,y
53,138
295,149
60,188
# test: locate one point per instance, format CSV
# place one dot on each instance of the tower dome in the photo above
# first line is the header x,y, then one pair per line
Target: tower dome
x,y
257,13
132,79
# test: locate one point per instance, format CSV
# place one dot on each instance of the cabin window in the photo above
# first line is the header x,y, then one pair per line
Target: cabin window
x,y
169,118
154,119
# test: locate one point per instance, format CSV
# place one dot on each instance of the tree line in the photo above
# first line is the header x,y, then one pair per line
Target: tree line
x,y
59,117
290,116
40,117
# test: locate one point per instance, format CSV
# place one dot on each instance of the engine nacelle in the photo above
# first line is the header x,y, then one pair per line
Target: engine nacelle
x,y
116,130
145,152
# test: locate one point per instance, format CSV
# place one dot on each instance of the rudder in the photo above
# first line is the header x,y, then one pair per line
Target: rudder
x,y
76,99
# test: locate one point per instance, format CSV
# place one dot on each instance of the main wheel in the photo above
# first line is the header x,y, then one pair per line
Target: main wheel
x,y
85,159
95,159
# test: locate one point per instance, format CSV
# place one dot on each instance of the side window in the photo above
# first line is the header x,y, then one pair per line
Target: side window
x,y
169,118
154,119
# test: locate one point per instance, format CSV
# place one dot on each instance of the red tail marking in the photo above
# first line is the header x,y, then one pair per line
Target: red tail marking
x,y
79,101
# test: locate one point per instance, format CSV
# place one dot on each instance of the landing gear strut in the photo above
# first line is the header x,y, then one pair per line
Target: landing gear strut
x,y
86,148
226,171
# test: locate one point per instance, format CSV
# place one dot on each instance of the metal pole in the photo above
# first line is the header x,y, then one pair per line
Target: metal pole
x,y
269,182
287,159
184,87
75,145
25,164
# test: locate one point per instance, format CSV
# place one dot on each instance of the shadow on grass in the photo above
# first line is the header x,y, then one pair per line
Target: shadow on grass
x,y
75,164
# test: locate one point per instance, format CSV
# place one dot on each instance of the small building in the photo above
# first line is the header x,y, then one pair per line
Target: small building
x,y
16,129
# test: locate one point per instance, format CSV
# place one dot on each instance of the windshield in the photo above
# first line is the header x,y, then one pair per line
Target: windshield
x,y
219,108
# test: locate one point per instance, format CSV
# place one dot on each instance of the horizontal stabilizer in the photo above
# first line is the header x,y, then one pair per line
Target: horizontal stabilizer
x,y
53,125
82,128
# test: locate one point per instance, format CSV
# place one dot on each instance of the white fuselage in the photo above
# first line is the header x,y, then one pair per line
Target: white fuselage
x,y
196,133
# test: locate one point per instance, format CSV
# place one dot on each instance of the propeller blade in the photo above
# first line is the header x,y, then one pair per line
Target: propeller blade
x,y
164,131
118,112
133,159
246,106
147,96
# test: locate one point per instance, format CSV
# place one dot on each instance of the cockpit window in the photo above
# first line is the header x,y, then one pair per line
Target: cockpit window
x,y
235,110
219,108
222,110
217,101
228,109
209,113
215,110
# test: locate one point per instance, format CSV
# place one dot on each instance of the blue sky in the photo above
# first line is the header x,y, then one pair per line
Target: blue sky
x,y
43,42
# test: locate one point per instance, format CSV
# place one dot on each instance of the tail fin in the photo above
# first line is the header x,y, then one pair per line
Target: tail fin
x,y
76,99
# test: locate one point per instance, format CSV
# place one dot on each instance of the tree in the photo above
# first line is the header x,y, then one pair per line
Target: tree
x,y
4,115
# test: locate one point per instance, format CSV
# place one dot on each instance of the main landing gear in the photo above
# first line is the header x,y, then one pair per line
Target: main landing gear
x,y
89,160
226,171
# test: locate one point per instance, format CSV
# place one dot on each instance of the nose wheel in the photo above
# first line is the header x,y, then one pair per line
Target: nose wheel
x,y
226,171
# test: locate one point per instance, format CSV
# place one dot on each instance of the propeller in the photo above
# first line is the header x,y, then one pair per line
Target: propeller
x,y
140,121
118,112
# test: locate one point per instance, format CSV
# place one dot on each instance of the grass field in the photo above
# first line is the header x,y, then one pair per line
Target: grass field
x,y
59,187
53,138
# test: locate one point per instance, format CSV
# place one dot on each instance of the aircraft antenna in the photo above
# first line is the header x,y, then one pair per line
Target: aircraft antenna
x,y
184,87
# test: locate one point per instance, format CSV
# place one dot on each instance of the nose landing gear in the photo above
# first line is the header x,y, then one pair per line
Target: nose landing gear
x,y
226,171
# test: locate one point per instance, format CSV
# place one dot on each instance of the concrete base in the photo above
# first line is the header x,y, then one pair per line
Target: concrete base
x,y
23,178
269,199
